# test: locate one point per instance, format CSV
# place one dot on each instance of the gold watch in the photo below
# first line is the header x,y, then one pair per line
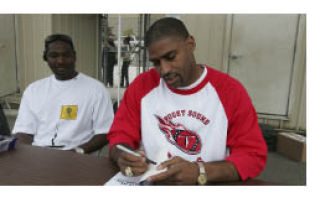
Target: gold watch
x,y
202,178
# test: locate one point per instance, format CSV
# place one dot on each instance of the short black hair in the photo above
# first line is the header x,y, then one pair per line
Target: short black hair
x,y
165,27
53,38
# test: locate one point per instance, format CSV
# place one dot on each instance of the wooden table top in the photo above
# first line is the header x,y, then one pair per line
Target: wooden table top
x,y
32,165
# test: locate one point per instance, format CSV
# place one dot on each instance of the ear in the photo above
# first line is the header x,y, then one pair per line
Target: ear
x,y
191,43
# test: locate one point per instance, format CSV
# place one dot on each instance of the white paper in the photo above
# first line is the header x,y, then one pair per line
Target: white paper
x,y
121,180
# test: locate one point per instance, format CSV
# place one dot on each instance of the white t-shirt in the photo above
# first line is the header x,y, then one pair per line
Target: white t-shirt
x,y
71,112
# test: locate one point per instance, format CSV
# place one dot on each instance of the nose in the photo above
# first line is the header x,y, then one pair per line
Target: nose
x,y
165,67
60,59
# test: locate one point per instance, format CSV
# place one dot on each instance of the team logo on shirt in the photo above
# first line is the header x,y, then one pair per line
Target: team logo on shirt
x,y
184,139
69,112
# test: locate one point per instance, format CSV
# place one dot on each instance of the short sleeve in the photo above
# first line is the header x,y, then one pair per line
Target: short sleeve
x,y
102,111
26,120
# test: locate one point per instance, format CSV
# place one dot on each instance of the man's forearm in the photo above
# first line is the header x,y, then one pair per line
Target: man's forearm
x,y
24,138
221,171
96,142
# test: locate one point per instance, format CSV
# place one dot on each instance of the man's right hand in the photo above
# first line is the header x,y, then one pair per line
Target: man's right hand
x,y
123,159
138,164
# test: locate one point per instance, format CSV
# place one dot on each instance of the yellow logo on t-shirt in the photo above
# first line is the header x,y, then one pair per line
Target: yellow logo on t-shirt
x,y
69,112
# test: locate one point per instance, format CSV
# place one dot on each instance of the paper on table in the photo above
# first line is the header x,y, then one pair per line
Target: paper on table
x,y
121,180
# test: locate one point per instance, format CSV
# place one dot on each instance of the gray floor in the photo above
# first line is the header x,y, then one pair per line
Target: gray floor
x,y
280,169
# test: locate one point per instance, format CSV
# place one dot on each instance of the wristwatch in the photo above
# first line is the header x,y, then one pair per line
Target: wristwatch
x,y
79,150
202,178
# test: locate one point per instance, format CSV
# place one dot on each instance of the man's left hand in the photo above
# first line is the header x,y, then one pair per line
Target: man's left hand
x,y
180,172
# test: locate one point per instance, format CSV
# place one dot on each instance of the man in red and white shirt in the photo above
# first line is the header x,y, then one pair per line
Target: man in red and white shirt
x,y
203,118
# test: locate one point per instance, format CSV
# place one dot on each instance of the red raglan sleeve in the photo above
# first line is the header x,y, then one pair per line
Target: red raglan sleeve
x,y
248,150
126,126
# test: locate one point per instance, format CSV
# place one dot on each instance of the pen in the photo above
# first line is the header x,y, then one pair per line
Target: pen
x,y
125,149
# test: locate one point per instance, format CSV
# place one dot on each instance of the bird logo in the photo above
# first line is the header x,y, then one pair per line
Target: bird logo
x,y
184,139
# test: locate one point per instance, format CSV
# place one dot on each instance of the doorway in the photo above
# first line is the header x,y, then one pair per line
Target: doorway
x,y
122,54
261,55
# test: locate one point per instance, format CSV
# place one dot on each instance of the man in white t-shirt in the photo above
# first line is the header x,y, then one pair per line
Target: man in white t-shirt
x,y
67,110
201,122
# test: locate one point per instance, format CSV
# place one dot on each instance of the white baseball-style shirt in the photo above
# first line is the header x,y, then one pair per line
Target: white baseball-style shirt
x,y
71,112
211,120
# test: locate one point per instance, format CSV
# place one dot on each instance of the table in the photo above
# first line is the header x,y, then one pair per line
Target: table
x,y
32,165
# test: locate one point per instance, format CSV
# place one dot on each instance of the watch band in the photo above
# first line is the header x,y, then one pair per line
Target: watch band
x,y
202,178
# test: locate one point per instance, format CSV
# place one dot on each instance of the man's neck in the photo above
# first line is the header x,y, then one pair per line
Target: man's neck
x,y
74,74
198,73
199,70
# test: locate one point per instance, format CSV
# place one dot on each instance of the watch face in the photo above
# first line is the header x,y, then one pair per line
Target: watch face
x,y
202,179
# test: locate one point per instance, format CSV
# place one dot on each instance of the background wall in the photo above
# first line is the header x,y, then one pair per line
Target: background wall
x,y
209,31
33,29
8,67
83,29
213,34
216,35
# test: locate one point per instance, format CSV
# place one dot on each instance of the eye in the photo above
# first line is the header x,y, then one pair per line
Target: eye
x,y
52,55
67,54
171,56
